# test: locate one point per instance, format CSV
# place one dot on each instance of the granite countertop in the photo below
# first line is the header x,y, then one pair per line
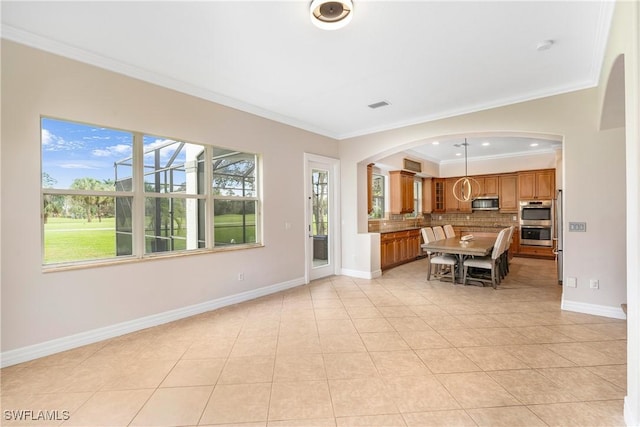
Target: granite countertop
x,y
396,229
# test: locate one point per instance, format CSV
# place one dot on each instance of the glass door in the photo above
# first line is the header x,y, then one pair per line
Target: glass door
x,y
319,226
321,213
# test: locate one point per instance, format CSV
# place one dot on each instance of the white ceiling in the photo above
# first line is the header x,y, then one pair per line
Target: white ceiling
x,y
452,150
428,59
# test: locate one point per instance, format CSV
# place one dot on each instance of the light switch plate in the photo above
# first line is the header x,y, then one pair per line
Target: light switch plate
x,y
578,226
572,282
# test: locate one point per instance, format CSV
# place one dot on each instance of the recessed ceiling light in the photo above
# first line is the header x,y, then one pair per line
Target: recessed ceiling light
x,y
331,14
486,143
533,144
458,154
436,142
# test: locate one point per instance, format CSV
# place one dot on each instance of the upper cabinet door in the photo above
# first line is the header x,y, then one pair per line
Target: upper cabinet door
x,y
526,185
401,189
508,193
490,186
539,184
545,184
437,194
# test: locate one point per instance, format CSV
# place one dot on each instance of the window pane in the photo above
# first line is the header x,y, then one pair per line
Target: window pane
x,y
171,166
171,224
234,222
85,228
377,190
84,157
378,186
234,174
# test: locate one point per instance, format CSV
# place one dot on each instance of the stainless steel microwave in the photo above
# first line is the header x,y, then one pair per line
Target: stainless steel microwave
x,y
485,204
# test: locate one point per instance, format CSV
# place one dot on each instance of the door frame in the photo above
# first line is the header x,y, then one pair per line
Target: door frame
x,y
335,253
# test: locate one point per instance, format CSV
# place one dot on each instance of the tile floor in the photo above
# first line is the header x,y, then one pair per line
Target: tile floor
x,y
395,351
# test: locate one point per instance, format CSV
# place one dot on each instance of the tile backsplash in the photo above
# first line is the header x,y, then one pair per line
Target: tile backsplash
x,y
479,219
489,219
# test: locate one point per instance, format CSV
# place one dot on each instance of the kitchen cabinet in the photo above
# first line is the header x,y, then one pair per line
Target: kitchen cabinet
x,y
401,189
488,186
452,204
427,201
514,249
508,193
538,184
399,247
536,252
437,195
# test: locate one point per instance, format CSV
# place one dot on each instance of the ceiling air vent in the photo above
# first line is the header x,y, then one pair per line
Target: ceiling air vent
x,y
379,104
412,165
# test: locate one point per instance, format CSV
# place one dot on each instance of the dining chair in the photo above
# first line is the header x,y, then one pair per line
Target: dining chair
x,y
490,262
439,232
448,231
426,239
438,260
505,252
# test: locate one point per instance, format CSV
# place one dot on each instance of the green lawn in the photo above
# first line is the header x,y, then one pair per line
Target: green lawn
x,y
68,239
229,227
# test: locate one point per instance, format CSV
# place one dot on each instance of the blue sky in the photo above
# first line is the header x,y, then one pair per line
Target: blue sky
x,y
72,150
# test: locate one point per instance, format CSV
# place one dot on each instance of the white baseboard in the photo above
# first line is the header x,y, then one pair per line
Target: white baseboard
x,y
595,309
35,351
361,274
630,419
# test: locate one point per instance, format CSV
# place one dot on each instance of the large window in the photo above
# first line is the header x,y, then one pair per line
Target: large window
x,y
109,193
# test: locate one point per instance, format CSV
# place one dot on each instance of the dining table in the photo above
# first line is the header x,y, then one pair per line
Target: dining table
x,y
477,246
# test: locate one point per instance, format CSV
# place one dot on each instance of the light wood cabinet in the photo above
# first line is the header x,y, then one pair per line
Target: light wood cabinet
x,y
536,252
508,193
437,195
538,184
452,204
488,185
401,189
514,249
427,203
399,247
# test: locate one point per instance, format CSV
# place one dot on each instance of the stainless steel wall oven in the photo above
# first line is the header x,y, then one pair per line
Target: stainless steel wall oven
x,y
536,222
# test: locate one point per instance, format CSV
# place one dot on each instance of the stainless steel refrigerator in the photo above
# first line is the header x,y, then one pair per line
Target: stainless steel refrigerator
x,y
558,237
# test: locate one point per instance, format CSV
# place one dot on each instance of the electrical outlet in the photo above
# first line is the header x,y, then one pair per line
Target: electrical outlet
x,y
594,284
240,276
572,282
514,218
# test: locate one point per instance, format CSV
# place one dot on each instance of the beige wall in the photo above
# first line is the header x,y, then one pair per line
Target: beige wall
x,y
37,306
624,40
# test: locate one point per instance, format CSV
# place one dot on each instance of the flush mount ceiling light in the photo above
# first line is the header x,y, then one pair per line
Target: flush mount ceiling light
x,y
331,15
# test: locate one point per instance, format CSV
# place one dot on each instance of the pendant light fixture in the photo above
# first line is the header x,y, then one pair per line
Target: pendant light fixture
x,y
463,189
331,14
